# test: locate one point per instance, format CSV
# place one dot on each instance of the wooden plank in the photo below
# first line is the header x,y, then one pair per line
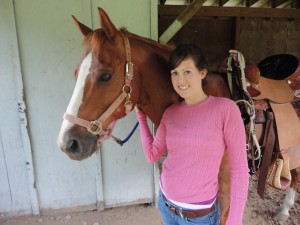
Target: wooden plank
x,y
260,4
222,2
297,4
276,3
215,11
153,20
233,3
249,3
184,16
237,31
284,4
15,141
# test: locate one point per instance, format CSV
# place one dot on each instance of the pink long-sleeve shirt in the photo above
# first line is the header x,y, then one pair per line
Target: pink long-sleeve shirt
x,y
195,138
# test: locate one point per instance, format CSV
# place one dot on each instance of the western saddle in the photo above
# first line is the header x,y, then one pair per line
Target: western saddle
x,y
271,90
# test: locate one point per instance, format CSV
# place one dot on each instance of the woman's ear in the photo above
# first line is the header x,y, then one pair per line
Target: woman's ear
x,y
203,73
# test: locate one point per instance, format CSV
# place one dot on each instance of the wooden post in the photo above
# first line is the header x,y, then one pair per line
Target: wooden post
x,y
237,31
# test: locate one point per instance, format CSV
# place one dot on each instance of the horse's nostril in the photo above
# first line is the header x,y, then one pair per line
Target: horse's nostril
x,y
73,146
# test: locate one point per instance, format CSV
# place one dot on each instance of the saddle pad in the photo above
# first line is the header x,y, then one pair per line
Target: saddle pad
x,y
275,90
288,129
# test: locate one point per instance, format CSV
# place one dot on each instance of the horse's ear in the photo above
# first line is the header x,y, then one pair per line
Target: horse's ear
x,y
84,29
108,27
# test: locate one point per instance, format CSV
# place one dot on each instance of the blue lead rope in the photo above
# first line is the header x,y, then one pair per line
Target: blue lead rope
x,y
121,142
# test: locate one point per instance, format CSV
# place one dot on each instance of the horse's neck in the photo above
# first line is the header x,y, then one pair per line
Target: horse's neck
x,y
153,102
155,87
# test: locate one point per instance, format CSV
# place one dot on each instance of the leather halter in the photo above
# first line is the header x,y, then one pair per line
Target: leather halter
x,y
95,127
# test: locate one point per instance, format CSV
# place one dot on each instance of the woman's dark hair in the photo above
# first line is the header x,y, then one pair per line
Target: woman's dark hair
x,y
185,51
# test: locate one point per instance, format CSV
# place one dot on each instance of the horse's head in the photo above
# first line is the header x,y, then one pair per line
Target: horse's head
x,y
103,92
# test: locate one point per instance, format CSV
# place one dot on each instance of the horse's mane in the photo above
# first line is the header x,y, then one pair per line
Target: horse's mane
x,y
167,47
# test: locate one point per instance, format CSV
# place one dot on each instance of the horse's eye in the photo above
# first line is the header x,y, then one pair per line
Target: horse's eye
x,y
104,77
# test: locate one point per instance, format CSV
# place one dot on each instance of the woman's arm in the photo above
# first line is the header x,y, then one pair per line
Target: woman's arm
x,y
154,147
235,139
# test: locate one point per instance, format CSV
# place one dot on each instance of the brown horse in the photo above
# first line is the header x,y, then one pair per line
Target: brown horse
x,y
120,70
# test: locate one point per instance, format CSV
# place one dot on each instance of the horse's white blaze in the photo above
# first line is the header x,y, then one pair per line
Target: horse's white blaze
x,y
77,95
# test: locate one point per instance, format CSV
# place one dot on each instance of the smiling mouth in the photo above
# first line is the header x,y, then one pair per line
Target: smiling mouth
x,y
183,88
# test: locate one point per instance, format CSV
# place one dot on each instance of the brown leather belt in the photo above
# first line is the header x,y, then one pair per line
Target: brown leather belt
x,y
190,213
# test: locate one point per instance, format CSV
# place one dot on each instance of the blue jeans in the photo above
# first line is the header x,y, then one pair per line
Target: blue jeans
x,y
169,218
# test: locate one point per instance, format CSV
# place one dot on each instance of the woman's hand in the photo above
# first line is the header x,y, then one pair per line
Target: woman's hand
x,y
137,109
139,112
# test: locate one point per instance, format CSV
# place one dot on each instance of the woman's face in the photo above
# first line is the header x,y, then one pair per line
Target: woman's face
x,y
187,79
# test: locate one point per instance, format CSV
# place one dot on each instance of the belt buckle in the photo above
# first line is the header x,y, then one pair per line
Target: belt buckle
x,y
180,213
179,210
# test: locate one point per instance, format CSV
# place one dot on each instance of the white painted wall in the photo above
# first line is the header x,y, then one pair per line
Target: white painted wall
x,y
15,165
41,47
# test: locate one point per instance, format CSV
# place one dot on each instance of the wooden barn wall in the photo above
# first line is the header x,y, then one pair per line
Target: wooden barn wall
x,y
256,38
260,38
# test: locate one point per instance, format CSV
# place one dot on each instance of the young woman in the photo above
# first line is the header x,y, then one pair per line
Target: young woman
x,y
195,133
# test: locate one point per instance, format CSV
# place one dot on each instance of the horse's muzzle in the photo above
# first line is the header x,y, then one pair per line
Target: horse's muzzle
x,y
78,143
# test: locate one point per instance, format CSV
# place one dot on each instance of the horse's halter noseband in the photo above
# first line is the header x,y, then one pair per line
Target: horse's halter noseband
x,y
95,127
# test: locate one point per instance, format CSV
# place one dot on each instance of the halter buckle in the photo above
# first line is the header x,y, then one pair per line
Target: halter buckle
x,y
129,70
94,127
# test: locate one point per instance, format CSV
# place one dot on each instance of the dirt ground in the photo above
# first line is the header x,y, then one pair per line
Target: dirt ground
x,y
257,212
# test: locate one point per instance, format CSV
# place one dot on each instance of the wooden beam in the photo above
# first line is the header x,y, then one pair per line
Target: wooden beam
x,y
249,3
209,3
285,4
217,11
233,3
186,13
222,2
276,3
260,4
